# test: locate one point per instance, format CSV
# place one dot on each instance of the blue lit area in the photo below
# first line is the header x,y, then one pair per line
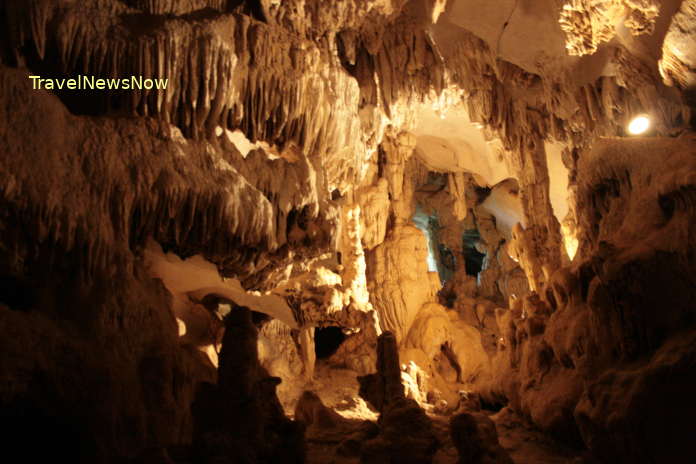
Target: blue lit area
x,y
440,258
423,222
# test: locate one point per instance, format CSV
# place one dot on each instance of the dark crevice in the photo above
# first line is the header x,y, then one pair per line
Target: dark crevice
x,y
493,404
473,259
327,340
449,354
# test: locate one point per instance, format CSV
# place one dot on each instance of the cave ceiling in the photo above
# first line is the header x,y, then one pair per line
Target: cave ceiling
x,y
451,192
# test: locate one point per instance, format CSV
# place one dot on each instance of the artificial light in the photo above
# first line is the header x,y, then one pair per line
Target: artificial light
x,y
639,124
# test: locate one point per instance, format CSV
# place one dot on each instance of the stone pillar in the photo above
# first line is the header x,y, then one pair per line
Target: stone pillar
x,y
240,419
384,387
388,367
540,241
238,370
309,355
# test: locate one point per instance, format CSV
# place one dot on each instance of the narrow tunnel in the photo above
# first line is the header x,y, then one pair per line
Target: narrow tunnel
x,y
327,340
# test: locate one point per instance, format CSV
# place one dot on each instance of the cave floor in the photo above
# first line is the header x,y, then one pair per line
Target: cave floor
x,y
338,390
526,444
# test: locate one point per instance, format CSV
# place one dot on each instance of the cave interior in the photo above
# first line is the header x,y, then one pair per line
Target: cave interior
x,y
356,231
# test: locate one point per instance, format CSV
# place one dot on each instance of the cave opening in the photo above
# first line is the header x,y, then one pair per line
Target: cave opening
x,y
440,258
424,222
493,404
172,281
473,259
327,340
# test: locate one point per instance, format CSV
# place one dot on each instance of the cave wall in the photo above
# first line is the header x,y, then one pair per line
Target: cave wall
x,y
607,324
281,171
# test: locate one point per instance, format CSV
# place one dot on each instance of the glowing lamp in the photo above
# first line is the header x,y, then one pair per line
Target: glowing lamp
x,y
639,125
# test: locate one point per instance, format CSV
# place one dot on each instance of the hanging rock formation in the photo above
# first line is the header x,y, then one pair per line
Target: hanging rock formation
x,y
299,191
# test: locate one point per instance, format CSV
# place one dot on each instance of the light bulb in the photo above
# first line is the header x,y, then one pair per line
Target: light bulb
x,y
638,125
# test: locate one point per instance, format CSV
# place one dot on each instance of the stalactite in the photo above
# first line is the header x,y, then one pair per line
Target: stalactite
x,y
159,203
284,165
203,67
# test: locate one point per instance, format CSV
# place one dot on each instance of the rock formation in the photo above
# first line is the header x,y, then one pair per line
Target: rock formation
x,y
217,215
244,390
405,432
476,439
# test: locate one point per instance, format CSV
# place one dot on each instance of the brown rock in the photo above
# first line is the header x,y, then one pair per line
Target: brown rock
x,y
476,439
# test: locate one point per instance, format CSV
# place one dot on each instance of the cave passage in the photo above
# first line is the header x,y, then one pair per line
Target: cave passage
x,y
473,259
327,340
428,225
374,231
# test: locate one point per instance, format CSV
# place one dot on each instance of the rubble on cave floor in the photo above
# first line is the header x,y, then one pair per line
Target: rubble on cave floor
x,y
374,231
339,418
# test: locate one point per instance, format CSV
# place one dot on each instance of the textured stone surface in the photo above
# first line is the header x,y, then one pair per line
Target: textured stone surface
x,y
476,440
401,284
458,174
678,63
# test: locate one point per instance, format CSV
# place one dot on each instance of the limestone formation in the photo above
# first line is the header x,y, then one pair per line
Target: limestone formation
x,y
405,432
337,438
476,440
399,295
243,389
678,63
385,386
217,218
589,23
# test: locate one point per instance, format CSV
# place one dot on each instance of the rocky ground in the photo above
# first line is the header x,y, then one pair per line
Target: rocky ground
x,y
338,389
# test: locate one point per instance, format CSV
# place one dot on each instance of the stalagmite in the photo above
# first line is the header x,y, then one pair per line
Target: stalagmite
x,y
384,387
405,433
243,388
228,220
